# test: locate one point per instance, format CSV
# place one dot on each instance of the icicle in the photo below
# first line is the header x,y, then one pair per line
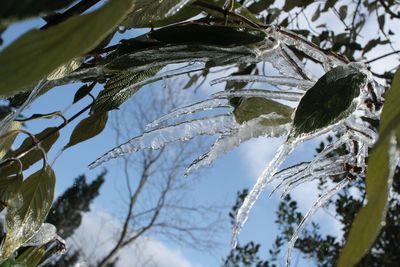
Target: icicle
x,y
246,131
301,44
317,175
327,167
176,8
320,201
161,76
183,131
299,63
199,106
270,94
275,80
262,180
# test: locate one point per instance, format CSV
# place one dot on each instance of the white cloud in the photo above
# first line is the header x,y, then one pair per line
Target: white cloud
x,y
98,233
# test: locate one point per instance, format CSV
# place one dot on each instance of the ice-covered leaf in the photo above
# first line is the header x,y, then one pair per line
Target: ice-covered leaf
x,y
88,128
146,13
381,165
8,138
39,52
24,220
253,107
16,10
65,69
114,93
330,100
46,233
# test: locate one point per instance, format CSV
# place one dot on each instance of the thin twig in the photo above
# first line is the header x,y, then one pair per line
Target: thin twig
x,y
388,10
382,56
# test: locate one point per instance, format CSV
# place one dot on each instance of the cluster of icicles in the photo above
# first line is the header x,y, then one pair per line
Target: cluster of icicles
x,y
355,134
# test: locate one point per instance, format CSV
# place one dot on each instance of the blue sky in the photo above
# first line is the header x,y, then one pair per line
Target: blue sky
x,y
217,186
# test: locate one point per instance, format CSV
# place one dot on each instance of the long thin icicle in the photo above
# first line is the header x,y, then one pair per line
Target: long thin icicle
x,y
275,80
262,180
199,106
270,94
245,132
183,131
320,201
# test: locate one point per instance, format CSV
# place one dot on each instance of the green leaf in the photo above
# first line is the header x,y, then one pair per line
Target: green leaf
x,y
88,128
368,222
9,186
390,119
343,12
21,9
39,52
8,138
328,101
223,36
118,89
253,107
83,91
23,221
317,13
35,155
146,13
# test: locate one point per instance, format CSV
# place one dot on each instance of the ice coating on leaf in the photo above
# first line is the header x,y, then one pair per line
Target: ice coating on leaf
x,y
255,192
246,131
192,108
46,233
275,80
161,76
270,94
175,9
299,63
320,201
159,137
300,43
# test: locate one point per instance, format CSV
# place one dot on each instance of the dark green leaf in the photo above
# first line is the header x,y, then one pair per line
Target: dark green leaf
x,y
119,88
88,128
329,4
207,35
381,21
39,52
16,10
317,13
328,101
83,91
343,12
23,221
